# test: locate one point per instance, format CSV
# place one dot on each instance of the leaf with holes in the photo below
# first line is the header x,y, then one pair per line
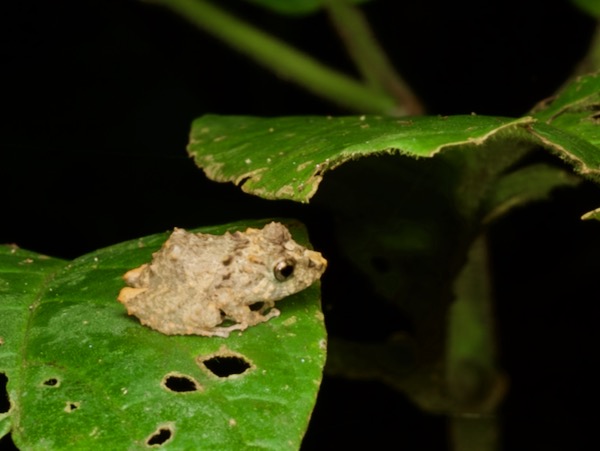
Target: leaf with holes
x,y
22,274
82,374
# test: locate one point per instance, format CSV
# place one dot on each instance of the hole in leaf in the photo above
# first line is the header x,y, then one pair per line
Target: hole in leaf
x,y
51,382
224,363
224,366
160,437
180,383
72,406
4,401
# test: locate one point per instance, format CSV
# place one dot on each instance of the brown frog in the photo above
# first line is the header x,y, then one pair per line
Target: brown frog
x,y
196,281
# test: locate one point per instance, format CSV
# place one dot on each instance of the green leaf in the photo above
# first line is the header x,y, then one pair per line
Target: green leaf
x,y
21,273
84,375
592,7
582,155
568,124
583,94
286,157
525,185
295,7
594,214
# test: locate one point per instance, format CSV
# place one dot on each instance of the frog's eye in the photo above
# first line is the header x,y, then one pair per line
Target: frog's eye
x,y
284,269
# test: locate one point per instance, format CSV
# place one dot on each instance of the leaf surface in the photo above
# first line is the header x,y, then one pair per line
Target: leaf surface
x,y
84,375
286,157
569,124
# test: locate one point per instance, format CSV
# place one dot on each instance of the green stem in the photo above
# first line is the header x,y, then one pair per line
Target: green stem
x,y
368,55
473,381
283,59
474,434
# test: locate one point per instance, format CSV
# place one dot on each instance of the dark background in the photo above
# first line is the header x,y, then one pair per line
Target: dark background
x,y
97,98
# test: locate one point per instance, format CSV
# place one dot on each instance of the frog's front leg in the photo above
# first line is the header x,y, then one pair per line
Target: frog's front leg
x,y
245,317
267,306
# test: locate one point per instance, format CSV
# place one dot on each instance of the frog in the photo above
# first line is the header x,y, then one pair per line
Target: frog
x,y
212,285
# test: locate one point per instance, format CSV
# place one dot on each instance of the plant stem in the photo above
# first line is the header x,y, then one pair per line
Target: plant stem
x,y
474,434
283,59
473,381
368,55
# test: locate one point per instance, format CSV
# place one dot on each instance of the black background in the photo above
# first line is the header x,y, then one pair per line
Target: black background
x,y
97,98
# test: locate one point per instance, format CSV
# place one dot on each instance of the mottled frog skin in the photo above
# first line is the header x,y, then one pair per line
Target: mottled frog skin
x,y
196,281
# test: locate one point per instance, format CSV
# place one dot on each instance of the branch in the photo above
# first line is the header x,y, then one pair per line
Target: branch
x,y
284,60
368,55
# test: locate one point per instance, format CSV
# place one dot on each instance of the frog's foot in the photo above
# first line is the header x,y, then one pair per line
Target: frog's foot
x,y
273,313
267,306
251,319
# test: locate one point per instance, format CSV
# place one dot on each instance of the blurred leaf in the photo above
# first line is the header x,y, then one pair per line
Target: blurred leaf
x,y
84,375
295,7
525,185
592,7
286,157
583,94
594,214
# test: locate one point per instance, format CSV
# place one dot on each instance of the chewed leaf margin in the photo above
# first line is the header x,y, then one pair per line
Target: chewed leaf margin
x,y
286,157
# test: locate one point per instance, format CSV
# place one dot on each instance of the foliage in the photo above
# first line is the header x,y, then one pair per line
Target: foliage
x,y
82,374
293,7
475,177
406,201
590,6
